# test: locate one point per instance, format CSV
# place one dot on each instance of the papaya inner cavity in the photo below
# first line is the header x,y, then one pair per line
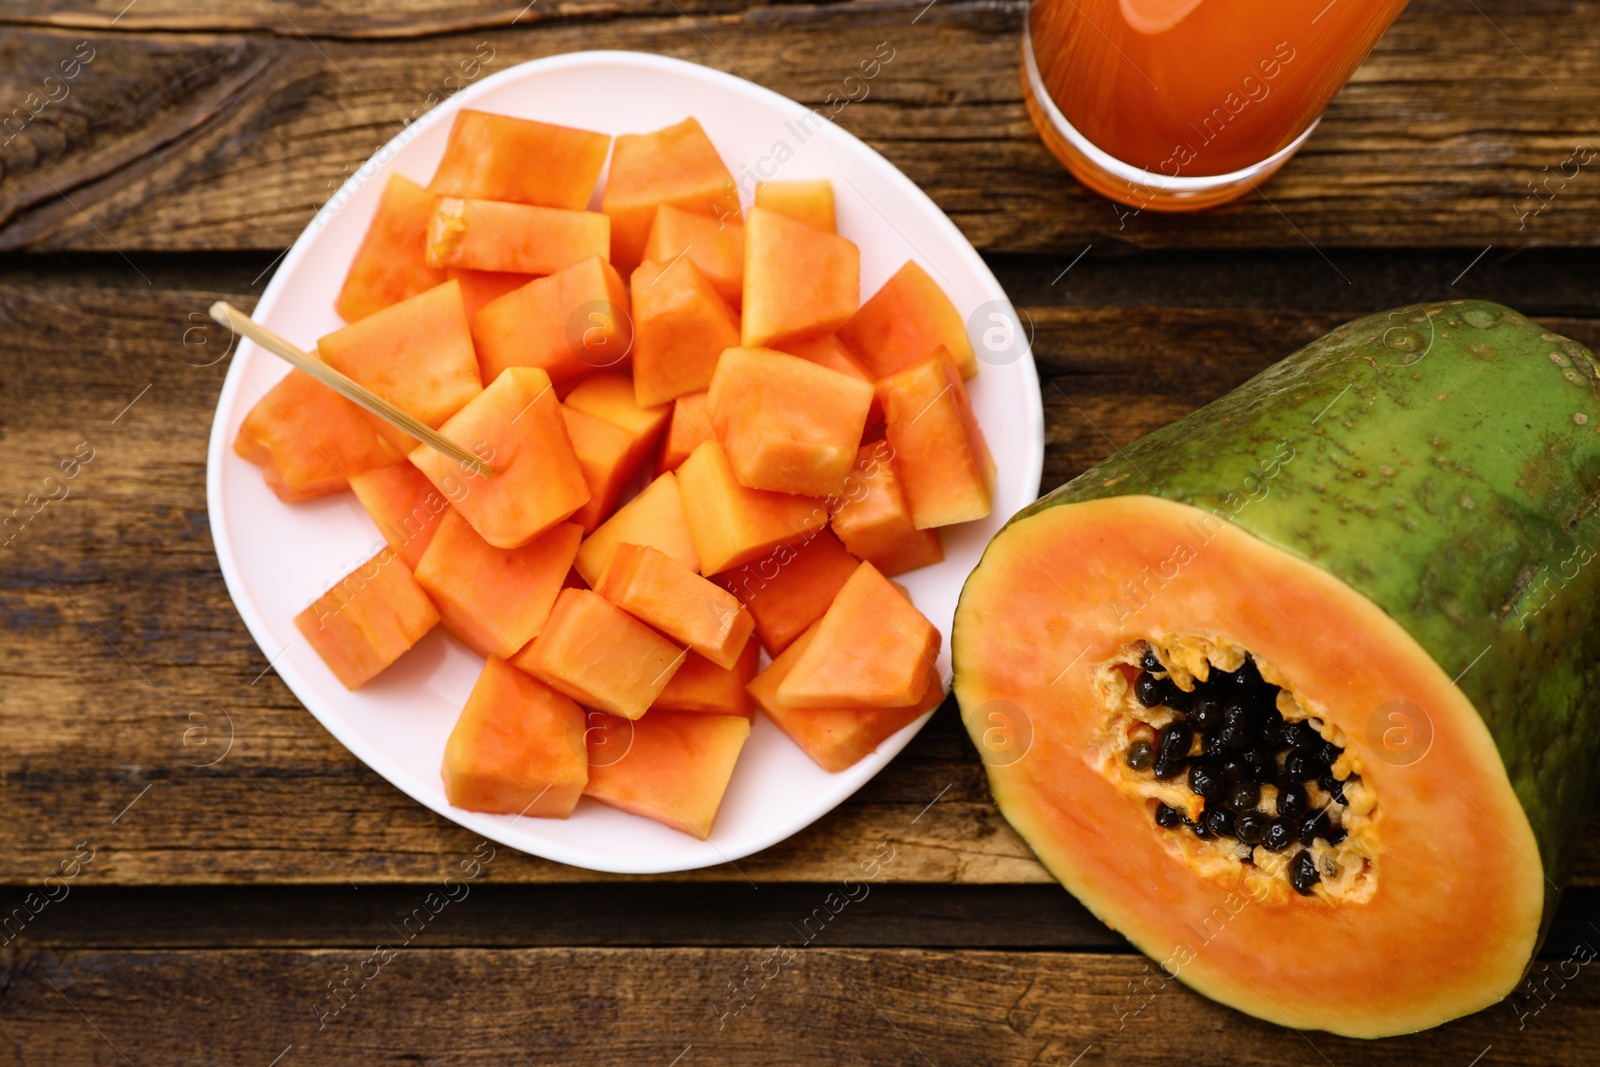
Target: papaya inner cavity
x,y
1245,784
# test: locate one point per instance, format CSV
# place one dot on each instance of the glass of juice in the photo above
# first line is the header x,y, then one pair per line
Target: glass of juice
x,y
1174,105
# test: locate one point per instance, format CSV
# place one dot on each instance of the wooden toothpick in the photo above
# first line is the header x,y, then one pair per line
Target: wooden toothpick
x,y
237,321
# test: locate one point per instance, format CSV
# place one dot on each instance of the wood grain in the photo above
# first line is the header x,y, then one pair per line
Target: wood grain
x,y
218,140
666,1006
126,662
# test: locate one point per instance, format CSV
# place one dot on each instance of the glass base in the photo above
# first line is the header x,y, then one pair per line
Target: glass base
x,y
1127,184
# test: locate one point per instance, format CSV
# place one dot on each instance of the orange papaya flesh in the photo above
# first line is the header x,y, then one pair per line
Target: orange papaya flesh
x,y
833,353
309,441
495,600
905,322
799,282
732,524
807,200
787,425
678,167
873,519
680,327
497,157
1452,688
674,600
690,424
479,287
569,323
498,235
406,507
416,354
836,738
714,245
605,453
600,656
516,425
791,587
390,264
703,688
940,456
610,395
517,749
368,619
655,517
674,769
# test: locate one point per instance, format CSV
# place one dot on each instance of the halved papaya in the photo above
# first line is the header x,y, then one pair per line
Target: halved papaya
x,y
799,282
390,264
500,235
404,504
702,687
517,749
714,244
873,519
939,452
664,594
498,157
568,323
690,425
836,738
368,619
677,167
516,425
805,200
416,354
1298,692
675,768
600,656
680,327
605,454
495,600
732,523
655,517
308,440
905,321
791,587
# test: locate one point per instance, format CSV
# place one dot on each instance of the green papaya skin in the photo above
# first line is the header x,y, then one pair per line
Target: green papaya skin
x,y
1444,461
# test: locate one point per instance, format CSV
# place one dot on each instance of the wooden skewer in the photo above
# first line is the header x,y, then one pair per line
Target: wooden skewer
x,y
237,321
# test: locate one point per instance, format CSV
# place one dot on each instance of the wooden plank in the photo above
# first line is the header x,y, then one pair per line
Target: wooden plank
x,y
821,1006
122,639
233,140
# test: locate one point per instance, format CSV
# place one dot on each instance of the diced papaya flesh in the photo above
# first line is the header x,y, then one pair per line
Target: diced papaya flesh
x,y
569,323
498,157
499,235
905,322
675,768
873,519
677,166
806,200
671,598
406,507
600,656
680,327
799,282
309,441
703,688
517,749
732,524
390,264
940,455
792,587
368,619
655,517
713,244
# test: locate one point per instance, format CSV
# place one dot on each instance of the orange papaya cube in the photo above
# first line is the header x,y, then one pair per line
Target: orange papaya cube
x,y
690,425
872,649
655,517
904,322
478,287
498,157
308,440
939,452
732,524
677,166
416,354
390,264
600,656
495,600
680,327
786,424
568,323
715,245
675,771
368,619
604,452
500,235
792,587
799,282
836,738
517,749
808,201
610,395
873,519
664,594
834,354
703,688
516,425
405,505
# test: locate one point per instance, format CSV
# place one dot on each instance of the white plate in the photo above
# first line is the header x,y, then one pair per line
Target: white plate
x,y
277,558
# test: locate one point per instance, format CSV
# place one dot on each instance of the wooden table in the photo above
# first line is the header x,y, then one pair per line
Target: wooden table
x,y
236,868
